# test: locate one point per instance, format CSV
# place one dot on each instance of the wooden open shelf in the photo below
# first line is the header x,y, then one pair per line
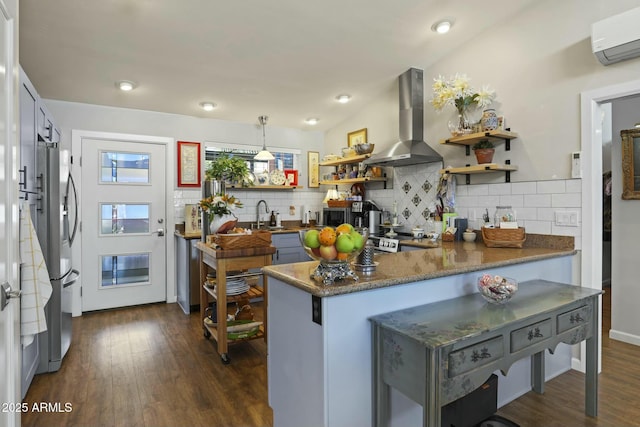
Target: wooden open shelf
x,y
471,139
265,187
483,168
346,160
353,180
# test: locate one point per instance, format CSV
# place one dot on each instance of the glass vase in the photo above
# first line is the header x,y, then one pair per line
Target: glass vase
x,y
461,125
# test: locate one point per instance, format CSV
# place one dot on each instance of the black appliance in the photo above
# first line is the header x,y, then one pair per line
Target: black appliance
x,y
336,216
474,408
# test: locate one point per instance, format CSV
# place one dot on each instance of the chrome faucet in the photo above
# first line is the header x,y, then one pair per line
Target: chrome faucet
x,y
266,209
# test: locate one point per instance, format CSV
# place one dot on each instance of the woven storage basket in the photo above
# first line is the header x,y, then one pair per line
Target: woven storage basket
x,y
503,237
257,239
339,203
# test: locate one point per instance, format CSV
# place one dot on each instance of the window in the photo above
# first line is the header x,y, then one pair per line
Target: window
x,y
130,168
284,158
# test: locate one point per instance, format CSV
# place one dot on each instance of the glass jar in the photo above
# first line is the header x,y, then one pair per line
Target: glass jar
x,y
503,214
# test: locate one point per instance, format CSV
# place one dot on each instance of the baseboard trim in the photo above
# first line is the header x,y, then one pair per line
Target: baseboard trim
x,y
624,337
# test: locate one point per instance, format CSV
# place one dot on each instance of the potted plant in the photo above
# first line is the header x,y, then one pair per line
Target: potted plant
x,y
229,169
484,151
220,209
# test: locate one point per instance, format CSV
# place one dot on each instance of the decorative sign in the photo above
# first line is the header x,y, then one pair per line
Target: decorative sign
x,y
313,161
357,137
189,168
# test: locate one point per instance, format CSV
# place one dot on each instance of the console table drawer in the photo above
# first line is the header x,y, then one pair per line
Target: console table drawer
x,y
530,335
474,356
573,318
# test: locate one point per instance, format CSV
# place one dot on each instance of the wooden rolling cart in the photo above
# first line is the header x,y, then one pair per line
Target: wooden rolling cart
x,y
224,261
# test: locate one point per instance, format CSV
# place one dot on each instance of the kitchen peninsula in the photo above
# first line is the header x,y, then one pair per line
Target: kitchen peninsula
x,y
320,337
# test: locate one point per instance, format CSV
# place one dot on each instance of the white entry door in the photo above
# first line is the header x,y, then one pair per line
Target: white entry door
x,y
123,223
10,355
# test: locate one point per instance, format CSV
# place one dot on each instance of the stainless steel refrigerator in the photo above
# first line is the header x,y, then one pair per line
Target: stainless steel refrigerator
x,y
57,221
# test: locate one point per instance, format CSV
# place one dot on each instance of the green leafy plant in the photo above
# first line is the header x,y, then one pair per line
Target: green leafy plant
x,y
228,168
485,143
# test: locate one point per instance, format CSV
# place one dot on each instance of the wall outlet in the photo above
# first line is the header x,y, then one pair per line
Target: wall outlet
x,y
567,218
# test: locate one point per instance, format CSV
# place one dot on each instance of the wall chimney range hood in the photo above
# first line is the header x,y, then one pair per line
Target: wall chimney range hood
x,y
411,149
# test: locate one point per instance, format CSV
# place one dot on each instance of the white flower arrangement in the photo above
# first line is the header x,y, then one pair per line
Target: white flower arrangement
x,y
457,92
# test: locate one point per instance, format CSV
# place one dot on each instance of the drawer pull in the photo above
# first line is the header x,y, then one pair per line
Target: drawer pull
x,y
576,318
484,353
534,333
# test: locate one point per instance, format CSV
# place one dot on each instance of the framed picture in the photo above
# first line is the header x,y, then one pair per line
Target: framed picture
x,y
189,164
357,137
313,165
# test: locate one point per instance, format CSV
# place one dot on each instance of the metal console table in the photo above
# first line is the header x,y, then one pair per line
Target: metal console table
x,y
439,352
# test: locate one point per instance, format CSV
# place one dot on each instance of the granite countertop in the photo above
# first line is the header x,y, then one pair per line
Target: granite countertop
x,y
406,267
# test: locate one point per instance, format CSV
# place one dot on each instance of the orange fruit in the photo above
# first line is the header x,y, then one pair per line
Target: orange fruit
x,y
344,229
342,256
327,236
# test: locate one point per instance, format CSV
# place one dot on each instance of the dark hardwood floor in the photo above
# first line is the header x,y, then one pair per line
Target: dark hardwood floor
x,y
151,366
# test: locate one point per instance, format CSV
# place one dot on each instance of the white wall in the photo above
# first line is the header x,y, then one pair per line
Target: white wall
x,y
625,293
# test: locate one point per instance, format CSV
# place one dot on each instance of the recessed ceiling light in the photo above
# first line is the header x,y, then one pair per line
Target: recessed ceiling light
x,y
125,85
343,99
311,121
442,26
208,106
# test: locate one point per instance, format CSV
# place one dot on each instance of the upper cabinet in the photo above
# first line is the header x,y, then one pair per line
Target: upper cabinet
x,y
36,125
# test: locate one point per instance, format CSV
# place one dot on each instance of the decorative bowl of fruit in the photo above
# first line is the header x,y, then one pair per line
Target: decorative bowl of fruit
x,y
335,248
496,289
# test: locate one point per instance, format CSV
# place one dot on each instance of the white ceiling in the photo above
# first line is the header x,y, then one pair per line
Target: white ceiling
x,y
287,59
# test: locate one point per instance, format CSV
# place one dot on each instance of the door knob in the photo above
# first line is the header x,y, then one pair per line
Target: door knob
x,y
6,293
159,232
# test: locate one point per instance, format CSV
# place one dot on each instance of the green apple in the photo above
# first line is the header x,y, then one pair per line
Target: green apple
x,y
358,240
344,243
311,239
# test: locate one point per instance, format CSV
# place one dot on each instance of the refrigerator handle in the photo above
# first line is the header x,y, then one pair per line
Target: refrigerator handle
x,y
71,183
72,281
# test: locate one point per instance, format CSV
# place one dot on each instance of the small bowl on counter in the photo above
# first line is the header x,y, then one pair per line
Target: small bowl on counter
x,y
497,289
469,236
418,233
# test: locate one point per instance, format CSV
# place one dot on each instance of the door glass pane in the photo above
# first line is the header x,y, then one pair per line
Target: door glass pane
x,y
124,218
125,269
124,167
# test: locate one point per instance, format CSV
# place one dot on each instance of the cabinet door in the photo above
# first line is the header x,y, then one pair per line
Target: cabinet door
x,y
28,137
289,249
45,123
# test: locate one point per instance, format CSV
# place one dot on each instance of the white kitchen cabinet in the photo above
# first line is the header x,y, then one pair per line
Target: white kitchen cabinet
x,y
46,126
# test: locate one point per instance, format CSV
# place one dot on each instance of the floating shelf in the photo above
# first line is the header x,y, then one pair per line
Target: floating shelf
x,y
482,168
345,160
265,187
472,138
353,180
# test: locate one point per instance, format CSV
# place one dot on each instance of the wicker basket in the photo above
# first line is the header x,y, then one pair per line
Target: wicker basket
x,y
448,237
257,239
339,203
503,237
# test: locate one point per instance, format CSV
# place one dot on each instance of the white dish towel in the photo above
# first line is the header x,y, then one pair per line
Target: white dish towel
x,y
34,280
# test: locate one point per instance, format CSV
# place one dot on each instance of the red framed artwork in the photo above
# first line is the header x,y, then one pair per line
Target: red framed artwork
x,y
189,167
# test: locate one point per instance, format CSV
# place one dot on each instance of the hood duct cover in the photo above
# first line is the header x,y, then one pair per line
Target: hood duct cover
x,y
411,149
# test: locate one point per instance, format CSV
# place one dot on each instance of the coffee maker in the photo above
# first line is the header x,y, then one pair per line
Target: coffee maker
x,y
358,214
372,217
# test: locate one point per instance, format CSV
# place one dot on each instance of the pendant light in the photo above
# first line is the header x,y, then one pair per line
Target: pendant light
x,y
264,154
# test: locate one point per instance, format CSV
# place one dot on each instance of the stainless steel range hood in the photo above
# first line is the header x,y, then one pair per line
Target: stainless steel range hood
x,y
411,149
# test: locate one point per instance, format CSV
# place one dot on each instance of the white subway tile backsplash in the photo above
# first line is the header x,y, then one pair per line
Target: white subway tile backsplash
x,y
537,200
523,214
523,188
515,201
546,214
556,186
537,227
479,190
574,186
500,189
566,200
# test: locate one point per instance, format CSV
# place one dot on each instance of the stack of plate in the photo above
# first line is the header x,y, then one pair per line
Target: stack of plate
x,y
237,286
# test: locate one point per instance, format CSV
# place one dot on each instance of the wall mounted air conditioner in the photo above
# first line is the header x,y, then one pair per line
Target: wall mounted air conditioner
x,y
617,38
